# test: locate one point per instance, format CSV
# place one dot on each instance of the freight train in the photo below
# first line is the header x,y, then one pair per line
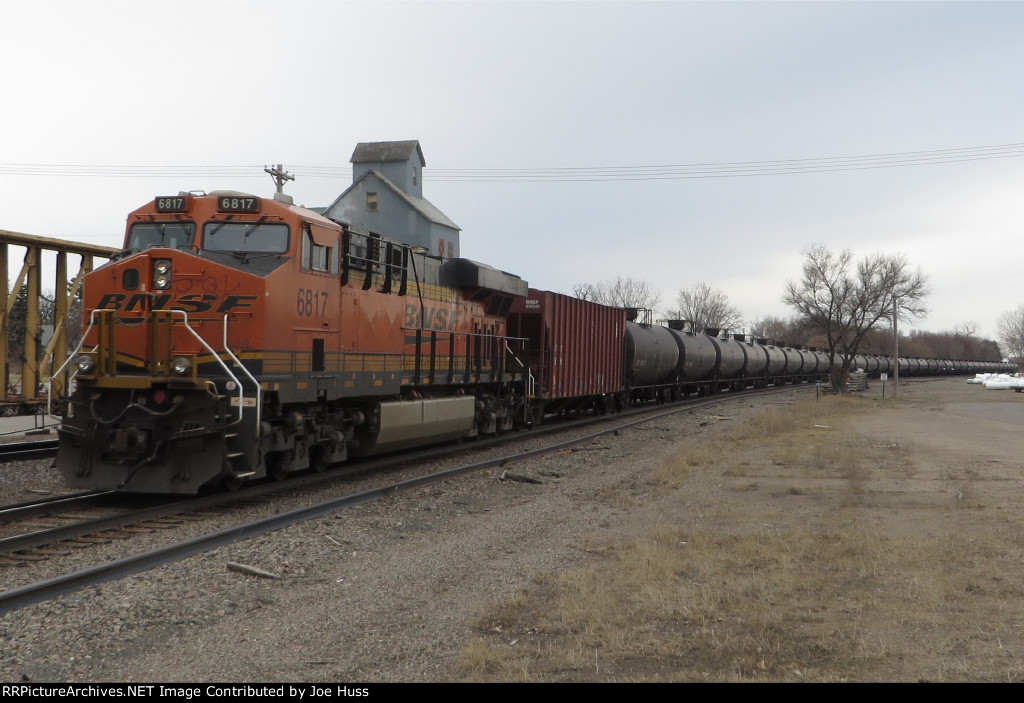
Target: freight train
x,y
239,338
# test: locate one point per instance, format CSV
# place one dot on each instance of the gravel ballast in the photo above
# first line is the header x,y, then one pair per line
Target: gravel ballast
x,y
388,591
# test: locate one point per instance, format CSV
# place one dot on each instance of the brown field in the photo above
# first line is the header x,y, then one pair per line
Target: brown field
x,y
838,539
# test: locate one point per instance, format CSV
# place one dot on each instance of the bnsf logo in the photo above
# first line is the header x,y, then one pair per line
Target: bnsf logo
x,y
193,303
432,318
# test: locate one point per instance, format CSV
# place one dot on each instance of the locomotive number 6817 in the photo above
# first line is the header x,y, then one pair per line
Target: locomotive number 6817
x,y
238,338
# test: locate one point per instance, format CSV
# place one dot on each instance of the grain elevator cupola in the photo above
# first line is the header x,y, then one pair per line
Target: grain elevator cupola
x,y
386,198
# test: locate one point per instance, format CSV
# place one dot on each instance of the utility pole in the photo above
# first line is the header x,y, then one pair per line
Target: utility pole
x,y
896,332
279,175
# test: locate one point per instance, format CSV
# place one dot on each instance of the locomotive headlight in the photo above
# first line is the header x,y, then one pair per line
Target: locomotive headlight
x,y
86,364
162,274
181,366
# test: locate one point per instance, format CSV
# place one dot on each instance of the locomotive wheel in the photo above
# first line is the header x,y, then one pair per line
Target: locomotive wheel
x,y
230,482
277,466
317,459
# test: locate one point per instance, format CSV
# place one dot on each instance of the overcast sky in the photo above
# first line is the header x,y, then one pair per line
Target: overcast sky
x,y
159,97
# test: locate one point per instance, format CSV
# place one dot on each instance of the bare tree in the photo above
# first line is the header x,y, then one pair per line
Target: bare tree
x,y
622,293
585,291
967,329
844,300
777,330
706,307
955,344
1011,333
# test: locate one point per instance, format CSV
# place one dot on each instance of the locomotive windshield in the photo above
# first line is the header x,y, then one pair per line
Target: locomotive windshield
x,y
245,237
176,235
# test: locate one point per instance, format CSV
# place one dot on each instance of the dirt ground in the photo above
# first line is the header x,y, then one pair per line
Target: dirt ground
x,y
843,539
891,533
937,585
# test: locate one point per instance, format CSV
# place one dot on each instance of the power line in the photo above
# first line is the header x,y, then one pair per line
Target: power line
x,y
739,169
129,171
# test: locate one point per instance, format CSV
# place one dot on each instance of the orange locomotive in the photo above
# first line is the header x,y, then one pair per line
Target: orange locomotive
x,y
240,337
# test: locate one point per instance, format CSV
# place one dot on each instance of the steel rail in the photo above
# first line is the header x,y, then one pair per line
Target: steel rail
x,y
28,508
12,451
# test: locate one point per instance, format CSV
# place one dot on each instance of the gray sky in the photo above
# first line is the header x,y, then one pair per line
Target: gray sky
x,y
200,96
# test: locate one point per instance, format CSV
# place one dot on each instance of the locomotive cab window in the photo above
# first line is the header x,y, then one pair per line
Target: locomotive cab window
x,y
318,257
246,237
176,235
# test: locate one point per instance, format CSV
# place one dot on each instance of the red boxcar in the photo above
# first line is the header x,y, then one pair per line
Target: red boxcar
x,y
576,350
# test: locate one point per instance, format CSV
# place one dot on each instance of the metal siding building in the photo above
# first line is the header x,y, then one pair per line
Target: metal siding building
x,y
386,198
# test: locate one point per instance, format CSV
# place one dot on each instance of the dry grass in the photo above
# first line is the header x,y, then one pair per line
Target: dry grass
x,y
798,576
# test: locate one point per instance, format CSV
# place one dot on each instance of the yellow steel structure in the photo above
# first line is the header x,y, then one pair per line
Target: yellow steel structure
x,y
53,357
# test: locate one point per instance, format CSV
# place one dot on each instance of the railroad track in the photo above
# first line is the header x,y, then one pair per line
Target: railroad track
x,y
168,515
35,449
104,513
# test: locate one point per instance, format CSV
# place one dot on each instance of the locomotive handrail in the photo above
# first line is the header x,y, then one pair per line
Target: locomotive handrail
x,y
259,408
371,262
529,372
184,314
241,391
72,355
